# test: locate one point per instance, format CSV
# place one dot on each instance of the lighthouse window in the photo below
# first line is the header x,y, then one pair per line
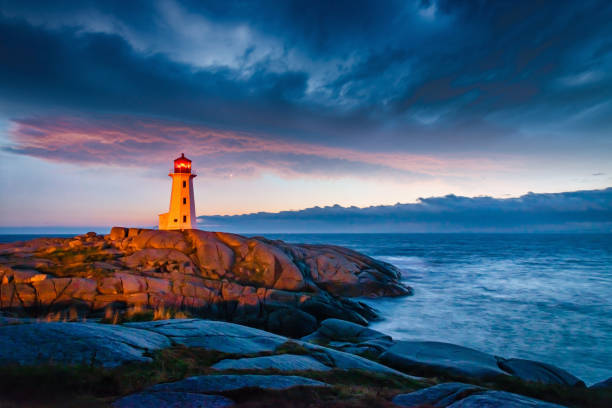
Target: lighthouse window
x,y
184,184
175,220
184,218
184,200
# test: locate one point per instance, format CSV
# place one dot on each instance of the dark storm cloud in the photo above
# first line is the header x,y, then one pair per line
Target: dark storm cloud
x,y
97,71
424,75
579,211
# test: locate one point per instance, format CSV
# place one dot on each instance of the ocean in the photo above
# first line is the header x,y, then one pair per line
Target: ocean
x,y
543,297
536,296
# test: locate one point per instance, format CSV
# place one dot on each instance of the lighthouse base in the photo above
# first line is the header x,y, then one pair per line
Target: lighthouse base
x,y
163,221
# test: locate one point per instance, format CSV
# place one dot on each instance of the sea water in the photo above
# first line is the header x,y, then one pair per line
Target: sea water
x,y
536,296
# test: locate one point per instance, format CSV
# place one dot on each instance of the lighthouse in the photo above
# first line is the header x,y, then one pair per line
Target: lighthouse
x,y
182,204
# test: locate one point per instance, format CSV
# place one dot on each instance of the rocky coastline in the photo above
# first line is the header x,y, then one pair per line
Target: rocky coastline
x,y
85,319
207,363
283,288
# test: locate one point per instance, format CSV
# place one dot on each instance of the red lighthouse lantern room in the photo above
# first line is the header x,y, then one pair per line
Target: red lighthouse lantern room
x,y
182,164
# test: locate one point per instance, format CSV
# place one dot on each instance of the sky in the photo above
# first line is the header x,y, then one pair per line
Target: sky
x,y
288,105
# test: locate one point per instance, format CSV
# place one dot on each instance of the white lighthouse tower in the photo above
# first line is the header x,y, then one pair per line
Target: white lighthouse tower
x,y
182,203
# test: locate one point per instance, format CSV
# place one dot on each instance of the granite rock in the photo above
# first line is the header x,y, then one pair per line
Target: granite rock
x,y
440,395
443,357
172,400
539,372
603,384
501,399
255,281
220,383
281,362
76,343
213,335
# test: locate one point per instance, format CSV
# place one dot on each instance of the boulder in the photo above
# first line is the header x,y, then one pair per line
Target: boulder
x,y
220,383
359,349
131,283
215,258
27,275
343,331
158,239
441,395
291,322
500,399
603,384
441,357
324,307
75,343
164,259
281,362
539,372
110,286
348,273
268,266
346,361
118,233
172,400
214,335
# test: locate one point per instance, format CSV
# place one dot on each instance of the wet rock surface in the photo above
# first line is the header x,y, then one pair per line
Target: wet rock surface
x,y
269,284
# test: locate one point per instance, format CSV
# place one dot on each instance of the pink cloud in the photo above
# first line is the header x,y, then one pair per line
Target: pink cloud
x,y
127,141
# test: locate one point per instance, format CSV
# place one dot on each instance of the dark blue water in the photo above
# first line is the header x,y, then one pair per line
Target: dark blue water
x,y
536,296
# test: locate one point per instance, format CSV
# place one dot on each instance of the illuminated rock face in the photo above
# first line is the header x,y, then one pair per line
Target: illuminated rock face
x,y
181,215
277,286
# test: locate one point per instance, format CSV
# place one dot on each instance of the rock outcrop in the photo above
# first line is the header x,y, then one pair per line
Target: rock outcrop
x,y
77,343
173,400
607,384
232,364
423,357
459,395
218,383
501,399
539,372
194,391
350,337
212,335
445,357
269,284
441,395
281,362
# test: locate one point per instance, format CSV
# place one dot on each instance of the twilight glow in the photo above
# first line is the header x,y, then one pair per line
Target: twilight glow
x,y
296,104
